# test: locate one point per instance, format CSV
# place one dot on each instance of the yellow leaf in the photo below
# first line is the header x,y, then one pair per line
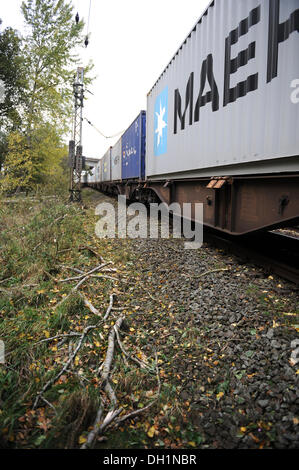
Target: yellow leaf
x,y
47,334
243,429
191,443
132,329
151,432
82,440
219,395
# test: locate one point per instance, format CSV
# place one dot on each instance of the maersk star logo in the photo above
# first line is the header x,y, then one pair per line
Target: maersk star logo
x,y
160,123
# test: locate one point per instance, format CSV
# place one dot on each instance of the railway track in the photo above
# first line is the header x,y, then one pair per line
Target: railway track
x,y
276,252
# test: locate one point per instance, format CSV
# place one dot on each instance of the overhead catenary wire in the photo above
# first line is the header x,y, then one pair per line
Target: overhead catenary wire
x,y
86,42
88,21
103,135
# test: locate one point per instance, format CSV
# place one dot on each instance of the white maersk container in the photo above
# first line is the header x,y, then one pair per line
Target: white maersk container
x,y
228,102
92,176
98,172
106,166
116,161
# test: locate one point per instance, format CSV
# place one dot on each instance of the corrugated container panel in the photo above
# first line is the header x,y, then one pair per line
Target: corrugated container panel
x,y
116,161
98,170
106,166
226,100
133,149
92,176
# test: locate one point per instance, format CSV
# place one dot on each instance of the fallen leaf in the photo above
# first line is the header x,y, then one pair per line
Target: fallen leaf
x,y
192,443
151,432
82,440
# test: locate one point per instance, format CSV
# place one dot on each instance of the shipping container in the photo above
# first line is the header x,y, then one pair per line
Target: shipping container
x,y
228,102
133,149
116,161
98,170
106,166
92,175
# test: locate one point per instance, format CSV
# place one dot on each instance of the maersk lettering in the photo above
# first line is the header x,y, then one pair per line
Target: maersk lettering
x,y
210,97
231,66
278,33
178,104
213,95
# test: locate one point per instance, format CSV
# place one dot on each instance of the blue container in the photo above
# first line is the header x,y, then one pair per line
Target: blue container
x,y
133,149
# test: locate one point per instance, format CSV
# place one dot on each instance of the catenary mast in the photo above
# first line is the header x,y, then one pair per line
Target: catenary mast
x,y
75,145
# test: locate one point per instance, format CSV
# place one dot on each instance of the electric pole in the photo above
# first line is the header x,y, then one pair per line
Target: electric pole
x,y
75,145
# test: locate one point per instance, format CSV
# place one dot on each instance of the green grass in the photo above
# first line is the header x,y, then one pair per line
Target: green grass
x,y
36,238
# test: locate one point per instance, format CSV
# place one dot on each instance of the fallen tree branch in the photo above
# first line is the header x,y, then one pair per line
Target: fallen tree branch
x,y
71,268
110,350
110,307
111,415
145,408
78,278
95,430
56,337
142,364
213,271
67,364
88,304
81,248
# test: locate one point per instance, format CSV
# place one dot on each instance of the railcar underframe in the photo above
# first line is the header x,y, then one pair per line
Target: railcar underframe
x,y
237,205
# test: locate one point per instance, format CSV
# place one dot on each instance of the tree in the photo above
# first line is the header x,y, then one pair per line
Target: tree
x,y
50,60
12,76
39,162
20,166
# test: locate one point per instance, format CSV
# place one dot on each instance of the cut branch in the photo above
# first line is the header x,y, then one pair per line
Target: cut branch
x,y
88,304
213,271
78,278
111,415
67,364
142,410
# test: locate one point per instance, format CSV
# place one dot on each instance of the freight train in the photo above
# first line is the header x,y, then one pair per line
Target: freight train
x,y
222,122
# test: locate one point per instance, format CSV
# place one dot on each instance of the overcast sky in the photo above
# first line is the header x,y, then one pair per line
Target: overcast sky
x,y
131,42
